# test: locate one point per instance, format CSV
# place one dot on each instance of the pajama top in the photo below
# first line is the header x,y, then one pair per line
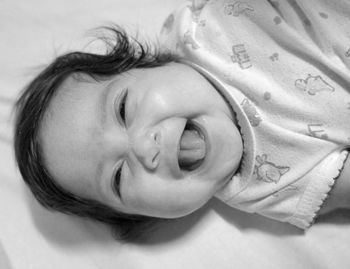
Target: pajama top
x,y
283,66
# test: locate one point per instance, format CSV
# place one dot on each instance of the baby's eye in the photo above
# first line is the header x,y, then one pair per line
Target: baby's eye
x,y
117,179
122,105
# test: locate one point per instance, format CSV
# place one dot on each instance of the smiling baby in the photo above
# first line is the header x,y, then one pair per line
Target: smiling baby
x,y
244,100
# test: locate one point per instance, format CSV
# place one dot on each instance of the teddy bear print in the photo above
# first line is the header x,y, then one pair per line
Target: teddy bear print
x,y
189,40
241,56
237,8
313,85
268,171
251,112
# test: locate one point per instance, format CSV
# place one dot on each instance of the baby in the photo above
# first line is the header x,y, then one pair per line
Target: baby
x,y
247,101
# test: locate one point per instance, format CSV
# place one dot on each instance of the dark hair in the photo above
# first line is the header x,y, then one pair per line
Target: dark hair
x,y
122,53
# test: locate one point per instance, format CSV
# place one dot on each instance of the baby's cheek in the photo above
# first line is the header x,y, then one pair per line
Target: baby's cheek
x,y
164,201
141,194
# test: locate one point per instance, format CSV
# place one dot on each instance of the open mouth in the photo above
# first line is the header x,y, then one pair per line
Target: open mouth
x,y
192,148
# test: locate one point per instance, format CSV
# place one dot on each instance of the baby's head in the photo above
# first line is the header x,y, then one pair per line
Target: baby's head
x,y
125,138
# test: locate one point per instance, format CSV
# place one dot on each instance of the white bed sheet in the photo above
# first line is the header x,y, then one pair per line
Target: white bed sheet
x,y
31,33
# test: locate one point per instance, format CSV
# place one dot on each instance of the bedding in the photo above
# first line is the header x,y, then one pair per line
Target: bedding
x,y
217,236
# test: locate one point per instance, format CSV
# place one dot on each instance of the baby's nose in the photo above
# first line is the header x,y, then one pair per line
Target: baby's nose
x,y
146,148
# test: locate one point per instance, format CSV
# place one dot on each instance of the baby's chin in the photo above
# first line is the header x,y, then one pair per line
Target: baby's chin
x,y
177,211
176,215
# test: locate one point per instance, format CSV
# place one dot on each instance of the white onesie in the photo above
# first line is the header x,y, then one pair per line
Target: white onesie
x,y
284,67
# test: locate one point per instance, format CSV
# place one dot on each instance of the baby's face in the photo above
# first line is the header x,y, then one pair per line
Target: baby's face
x,y
163,138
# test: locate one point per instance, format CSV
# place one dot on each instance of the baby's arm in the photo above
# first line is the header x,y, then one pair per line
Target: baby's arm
x,y
340,195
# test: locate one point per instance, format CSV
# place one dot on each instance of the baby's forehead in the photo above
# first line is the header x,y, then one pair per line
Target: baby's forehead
x,y
75,87
71,94
78,81
71,120
74,82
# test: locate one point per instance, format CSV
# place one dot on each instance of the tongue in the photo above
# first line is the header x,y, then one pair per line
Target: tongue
x,y
192,148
